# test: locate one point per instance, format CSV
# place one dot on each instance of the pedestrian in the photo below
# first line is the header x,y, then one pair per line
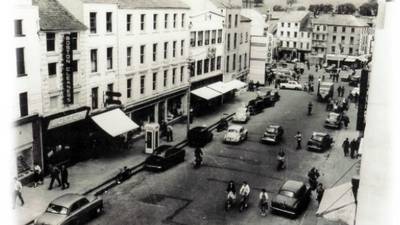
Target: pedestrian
x,y
263,202
298,139
323,77
18,192
342,91
163,127
313,176
191,115
169,133
345,147
320,192
339,90
64,177
37,175
353,148
346,121
316,68
54,175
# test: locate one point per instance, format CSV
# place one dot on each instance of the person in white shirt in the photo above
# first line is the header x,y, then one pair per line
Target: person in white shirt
x,y
18,191
245,192
263,201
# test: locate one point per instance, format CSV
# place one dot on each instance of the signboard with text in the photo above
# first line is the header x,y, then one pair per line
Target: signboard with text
x,y
67,72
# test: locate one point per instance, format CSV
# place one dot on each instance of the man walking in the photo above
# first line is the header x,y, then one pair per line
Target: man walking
x,y
353,148
320,192
64,177
342,91
345,147
339,91
346,121
298,139
54,175
169,133
17,192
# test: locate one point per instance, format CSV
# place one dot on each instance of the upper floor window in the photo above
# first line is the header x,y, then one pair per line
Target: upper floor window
x,y
20,62
334,29
74,40
296,24
93,60
155,22
18,28
154,52
229,21
142,53
213,36
128,22
129,88
174,49
207,38
218,62
165,50
352,30
182,73
109,22
165,79
142,20
351,40
343,29
247,37
228,43
236,20
183,20
288,25
142,80
219,39
52,69
93,22
282,24
109,58
128,56
173,75
154,81
200,38
23,104
166,21
234,40
175,18
193,39
199,67
50,41
182,47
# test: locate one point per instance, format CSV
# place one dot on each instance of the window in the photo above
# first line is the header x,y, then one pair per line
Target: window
x,y
206,65
174,49
213,36
154,52
20,62
229,21
343,38
227,64
128,56
334,39
228,44
200,38
240,63
343,29
247,37
295,24
236,20
288,24
182,73
308,45
192,69
245,60
183,20
165,78
110,87
50,41
93,60
352,30
350,51
154,81
334,29
182,47
218,62
234,41
199,67
317,28
93,22
52,69
142,84
173,76
174,22
288,33
234,62
282,33
295,34
165,21
308,35
75,66
154,21
109,58
129,88
317,36
351,40
74,40
207,38
109,22
23,104
294,44
165,50
129,22
193,39
287,44
282,24
212,64
142,20
142,50
18,28
219,40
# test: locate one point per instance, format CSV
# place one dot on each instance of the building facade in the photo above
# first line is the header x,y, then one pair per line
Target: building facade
x,y
243,67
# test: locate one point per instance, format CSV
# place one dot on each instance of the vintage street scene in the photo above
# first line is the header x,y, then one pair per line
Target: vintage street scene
x,y
195,112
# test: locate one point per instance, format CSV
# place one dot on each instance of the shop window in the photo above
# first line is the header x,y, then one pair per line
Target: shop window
x,y
174,108
24,161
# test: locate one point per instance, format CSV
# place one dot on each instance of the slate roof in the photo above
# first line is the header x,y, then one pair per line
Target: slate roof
x,y
340,20
54,17
292,16
150,4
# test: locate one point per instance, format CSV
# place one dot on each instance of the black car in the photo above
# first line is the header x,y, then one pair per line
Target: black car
x,y
275,95
354,80
293,197
334,120
255,106
199,136
273,134
319,141
164,157
266,99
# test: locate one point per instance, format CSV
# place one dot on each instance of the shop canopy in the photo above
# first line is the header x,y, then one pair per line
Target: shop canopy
x,y
350,59
206,93
221,87
338,204
114,122
235,84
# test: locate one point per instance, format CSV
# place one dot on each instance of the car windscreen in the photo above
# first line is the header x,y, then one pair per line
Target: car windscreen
x,y
333,116
232,131
325,86
317,137
57,209
271,130
287,193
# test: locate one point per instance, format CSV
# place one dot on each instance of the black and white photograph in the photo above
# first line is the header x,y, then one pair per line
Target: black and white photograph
x,y
201,112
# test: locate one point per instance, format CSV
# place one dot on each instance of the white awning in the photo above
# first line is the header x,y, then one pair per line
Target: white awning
x,y
206,93
114,122
236,84
220,87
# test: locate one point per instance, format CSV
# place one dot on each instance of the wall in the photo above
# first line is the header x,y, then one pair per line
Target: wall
x,y
258,57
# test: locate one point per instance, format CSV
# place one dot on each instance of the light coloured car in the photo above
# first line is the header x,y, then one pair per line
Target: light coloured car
x,y
355,91
242,115
291,84
334,120
235,134
273,134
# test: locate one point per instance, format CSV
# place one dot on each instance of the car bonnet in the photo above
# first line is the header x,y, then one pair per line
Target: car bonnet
x,y
50,218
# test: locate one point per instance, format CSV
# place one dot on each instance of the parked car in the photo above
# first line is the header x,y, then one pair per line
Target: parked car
x,y
164,157
70,209
334,120
354,80
235,134
354,92
325,91
273,134
292,198
255,106
331,69
291,85
275,95
199,136
242,115
319,141
266,99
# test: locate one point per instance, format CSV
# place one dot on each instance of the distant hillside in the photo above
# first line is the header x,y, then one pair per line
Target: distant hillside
x,y
306,3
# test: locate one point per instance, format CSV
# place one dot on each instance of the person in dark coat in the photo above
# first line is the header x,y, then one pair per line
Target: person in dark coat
x,y
54,175
298,139
163,128
64,177
320,192
353,148
346,121
342,91
346,146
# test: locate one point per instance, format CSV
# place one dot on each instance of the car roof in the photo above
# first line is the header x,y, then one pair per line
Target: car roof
x,y
326,83
235,127
292,185
319,134
67,200
333,114
273,126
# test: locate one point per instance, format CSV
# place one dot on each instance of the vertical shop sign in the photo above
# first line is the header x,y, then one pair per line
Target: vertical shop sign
x,y
68,85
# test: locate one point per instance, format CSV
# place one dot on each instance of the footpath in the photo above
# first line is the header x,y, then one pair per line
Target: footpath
x,y
85,175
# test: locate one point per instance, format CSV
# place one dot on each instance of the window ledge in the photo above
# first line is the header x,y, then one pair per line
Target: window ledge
x,y
20,35
94,34
94,74
22,75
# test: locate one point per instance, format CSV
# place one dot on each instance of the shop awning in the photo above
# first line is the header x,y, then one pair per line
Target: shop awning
x,y
206,93
338,204
350,59
236,84
220,87
114,122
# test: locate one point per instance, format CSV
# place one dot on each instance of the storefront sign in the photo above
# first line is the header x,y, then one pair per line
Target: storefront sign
x,y
68,84
61,121
269,49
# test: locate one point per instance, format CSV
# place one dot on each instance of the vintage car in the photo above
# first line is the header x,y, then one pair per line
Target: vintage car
x,y
354,92
273,134
354,80
164,157
199,136
325,91
331,69
292,198
266,98
294,85
235,134
255,106
70,209
334,120
275,95
319,141
242,115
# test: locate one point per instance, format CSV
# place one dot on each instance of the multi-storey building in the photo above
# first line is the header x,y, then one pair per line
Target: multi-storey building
x,y
294,35
28,97
243,66
338,38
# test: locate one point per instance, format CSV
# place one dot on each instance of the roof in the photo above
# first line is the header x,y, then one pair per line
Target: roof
x,y
292,16
67,200
340,20
101,1
235,127
318,134
274,126
244,19
54,17
292,185
228,3
151,4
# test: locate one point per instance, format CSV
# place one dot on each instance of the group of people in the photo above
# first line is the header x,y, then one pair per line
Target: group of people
x,y
351,147
340,91
334,76
316,186
57,172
